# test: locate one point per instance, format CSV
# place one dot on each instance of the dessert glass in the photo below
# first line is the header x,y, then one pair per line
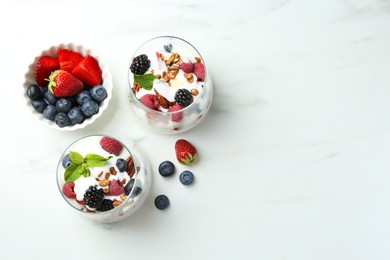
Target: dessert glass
x,y
162,120
142,180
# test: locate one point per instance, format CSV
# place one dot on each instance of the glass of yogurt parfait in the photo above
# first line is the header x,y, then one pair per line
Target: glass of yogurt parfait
x,y
103,179
170,87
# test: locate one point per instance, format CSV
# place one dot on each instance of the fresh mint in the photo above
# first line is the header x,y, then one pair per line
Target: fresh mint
x,y
79,165
145,81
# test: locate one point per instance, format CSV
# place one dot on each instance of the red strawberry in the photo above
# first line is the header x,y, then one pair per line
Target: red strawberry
x,y
176,117
116,188
199,71
64,84
68,190
68,59
186,153
150,101
186,67
44,66
111,145
88,71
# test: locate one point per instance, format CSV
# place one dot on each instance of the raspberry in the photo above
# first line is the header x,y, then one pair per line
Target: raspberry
x,y
176,117
199,71
140,64
115,188
150,101
183,97
111,145
68,190
186,67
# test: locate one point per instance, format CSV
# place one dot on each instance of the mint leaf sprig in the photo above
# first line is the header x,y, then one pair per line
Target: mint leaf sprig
x,y
79,165
145,81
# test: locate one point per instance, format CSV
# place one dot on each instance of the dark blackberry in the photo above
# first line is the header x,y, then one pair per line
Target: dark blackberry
x,y
105,206
93,197
183,97
140,64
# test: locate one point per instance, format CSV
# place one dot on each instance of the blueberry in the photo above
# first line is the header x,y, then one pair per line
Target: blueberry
x,y
129,186
121,164
49,98
50,112
34,92
66,161
186,177
63,105
98,93
83,97
166,168
62,119
161,202
90,108
168,47
75,115
39,105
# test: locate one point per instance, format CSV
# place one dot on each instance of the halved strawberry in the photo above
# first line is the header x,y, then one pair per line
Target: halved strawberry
x,y
186,153
68,59
88,71
64,84
44,66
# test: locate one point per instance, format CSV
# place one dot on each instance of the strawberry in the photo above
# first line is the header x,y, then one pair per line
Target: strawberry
x,y
64,84
176,117
186,153
111,145
44,66
199,71
88,71
68,59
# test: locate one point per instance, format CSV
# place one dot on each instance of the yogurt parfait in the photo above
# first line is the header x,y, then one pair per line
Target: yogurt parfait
x,y
101,178
170,87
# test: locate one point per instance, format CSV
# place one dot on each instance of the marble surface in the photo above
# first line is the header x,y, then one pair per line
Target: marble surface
x,y
294,153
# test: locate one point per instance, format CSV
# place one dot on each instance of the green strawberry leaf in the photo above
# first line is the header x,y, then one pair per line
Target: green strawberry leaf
x,y
95,160
145,81
76,157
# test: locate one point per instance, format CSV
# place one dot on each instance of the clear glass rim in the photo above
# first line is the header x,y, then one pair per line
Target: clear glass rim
x,y
148,109
115,209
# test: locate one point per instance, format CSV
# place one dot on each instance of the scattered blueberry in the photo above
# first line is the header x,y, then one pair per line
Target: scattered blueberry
x,y
186,177
121,164
161,202
75,115
168,47
62,119
50,112
98,93
66,161
90,108
39,105
34,92
49,98
83,97
166,168
63,105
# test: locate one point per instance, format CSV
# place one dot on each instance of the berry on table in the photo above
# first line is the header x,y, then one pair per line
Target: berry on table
x,y
140,64
75,115
98,93
93,197
183,97
62,119
39,105
90,108
166,168
186,177
63,105
186,153
34,92
161,202
50,112
111,145
121,164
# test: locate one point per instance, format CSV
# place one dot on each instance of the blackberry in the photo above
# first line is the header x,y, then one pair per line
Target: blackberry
x,y
183,97
93,197
140,64
105,206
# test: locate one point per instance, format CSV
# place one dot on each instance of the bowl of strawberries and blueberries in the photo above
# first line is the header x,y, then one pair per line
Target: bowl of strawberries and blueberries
x,y
68,87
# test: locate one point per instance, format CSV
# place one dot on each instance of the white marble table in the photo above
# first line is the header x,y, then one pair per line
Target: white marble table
x,y
294,152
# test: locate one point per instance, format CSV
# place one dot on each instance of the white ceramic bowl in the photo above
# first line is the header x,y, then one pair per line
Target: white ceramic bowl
x,y
52,51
